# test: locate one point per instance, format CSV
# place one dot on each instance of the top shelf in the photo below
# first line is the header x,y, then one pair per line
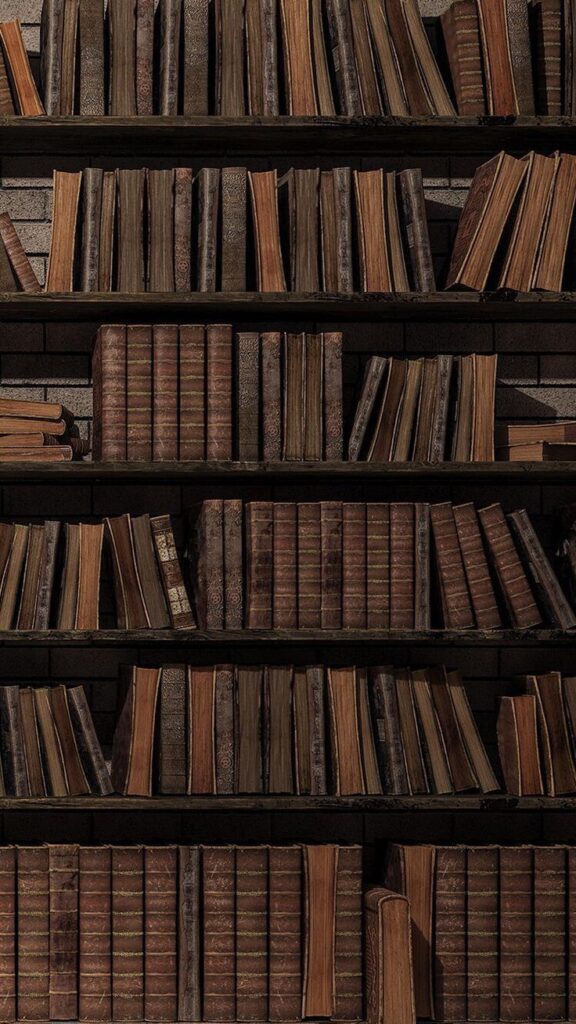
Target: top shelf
x,y
281,136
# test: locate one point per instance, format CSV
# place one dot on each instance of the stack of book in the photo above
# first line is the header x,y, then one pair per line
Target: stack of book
x,y
309,234
492,930
334,565
262,729
49,744
199,392
537,442
38,432
18,92
532,254
43,588
170,933
426,410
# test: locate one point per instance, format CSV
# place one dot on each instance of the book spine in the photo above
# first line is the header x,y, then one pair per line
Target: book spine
x,y
520,603
252,933
548,63
93,180
378,566
234,562
224,726
18,259
234,225
320,880
139,393
63,871
196,50
462,34
309,565
401,566
192,397
476,568
354,561
165,393
144,57
348,960
343,56
270,64
95,938
343,215
550,935
317,719
109,371
50,57
127,933
183,179
122,45
161,934
571,926
457,610
33,951
416,227
516,933
482,931
450,934
285,589
209,559
8,979
208,195
421,566
189,944
285,933
259,554
219,934
331,567
172,730
333,416
170,19
171,573
12,741
271,397
248,397
219,398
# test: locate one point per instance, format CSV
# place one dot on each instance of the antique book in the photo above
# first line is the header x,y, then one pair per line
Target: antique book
x,y
482,929
6,99
189,955
12,575
389,988
170,21
95,933
133,745
206,216
331,564
234,562
549,271
269,260
299,192
219,933
271,348
354,564
377,565
320,881
149,573
160,207
20,265
373,375
416,768
172,732
520,264
516,982
127,922
8,279
550,934
514,585
328,232
259,578
470,733
253,26
544,579
63,884
35,555
388,736
374,255
200,731
301,99
195,31
131,276
248,730
234,229
122,56
192,393
295,390
68,604
13,754
476,568
285,933
517,732
139,372
224,728
456,606
309,565
164,392
415,227
50,744
181,614
89,747
450,933
461,29
453,732
219,355
90,542
75,776
407,412
90,59
161,933
557,754
69,49
345,732
366,69
24,86
31,742
387,68
382,444
324,89
402,563
432,738
33,933
251,933
410,870
546,17
92,183
230,58
131,610
348,951
279,768
343,62
284,560
507,59
248,400
42,612
51,25
106,265
208,577
372,782
440,417
183,187
8,938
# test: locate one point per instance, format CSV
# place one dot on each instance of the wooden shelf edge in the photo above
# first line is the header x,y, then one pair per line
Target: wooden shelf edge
x,y
500,802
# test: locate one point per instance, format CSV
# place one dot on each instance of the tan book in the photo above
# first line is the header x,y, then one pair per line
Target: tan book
x,y
296,37
35,554
264,192
133,746
431,732
91,538
549,271
69,581
21,267
374,256
524,246
517,732
345,730
410,870
528,433
60,274
29,102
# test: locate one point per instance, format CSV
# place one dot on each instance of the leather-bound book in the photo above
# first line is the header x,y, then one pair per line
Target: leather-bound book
x,y
160,193
469,730
309,565
388,736
389,988
285,933
89,747
343,216
170,21
248,730
6,101
476,568
253,24
224,728
8,982
374,257
440,418
278,769
106,266
427,67
63,880
149,573
415,225
8,279
13,573
348,958
333,398
411,871
461,771
405,427
365,65
328,232
320,881
370,766
208,541
299,190
301,98
271,343
164,392
208,196
269,262
42,613
457,610
31,742
200,730
505,41
195,57
248,396
295,380
128,933
302,743
517,732
172,731
543,576
373,375
35,554
549,271
251,933
229,16
484,406
189,954
516,982
234,562
516,590
130,606
416,766
389,76
550,933
354,562
181,615
132,751
192,393
33,942
51,24
219,933
161,933
483,219
21,268
285,595
402,562
323,80
461,30
482,931
342,51
13,754
78,784
426,408
398,269
420,103
557,753
431,737
234,228
69,51
519,266
68,605
122,56
145,57
450,933
345,732
331,564
259,548
317,729
268,16
385,428
378,566
571,910
109,377
139,391
95,936
16,56
131,276
183,182
92,182
547,32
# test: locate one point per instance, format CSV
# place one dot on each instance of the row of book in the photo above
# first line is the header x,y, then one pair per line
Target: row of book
x,y
544,441
492,930
38,432
426,410
306,731
199,392
170,933
334,565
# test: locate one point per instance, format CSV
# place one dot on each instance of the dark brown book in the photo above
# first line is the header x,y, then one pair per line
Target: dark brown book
x,y
343,216
224,728
195,50
388,735
95,933
130,607
323,80
75,775
63,882
251,932
514,584
20,264
320,880
109,387
519,267
89,748
35,554
354,539
133,746
189,954
33,932
279,769
516,911
547,31
248,730
407,413
461,770
192,393
208,543
170,21
331,564
160,205
295,350
382,443
470,733
127,920
92,183
234,562
343,62
373,243
517,732
543,577
345,732
51,24
415,226
139,384
549,271
149,573
550,935
269,261
6,100
42,613
373,375
431,736
21,77
390,992
396,246
122,49
51,748
304,216
328,232
285,593
450,933
301,100
234,229
309,566
183,182
181,614
389,75
145,57
271,345
172,731
164,392
267,64
377,565
285,933
440,417
208,189
69,51
219,352
253,24
507,59
31,743
200,730
413,750
456,606
12,575
106,266
13,754
230,58
8,279
461,30
365,65
476,568
131,276
259,548
348,948
482,930
248,392
409,33
402,563
557,753
219,933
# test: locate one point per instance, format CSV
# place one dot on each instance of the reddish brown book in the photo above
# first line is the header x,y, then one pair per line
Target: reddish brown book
x,y
348,926
181,614
109,377
285,592
550,933
202,750
271,344
462,38
378,565
139,392
133,746
374,255
296,37
183,182
95,936
557,753
130,606
476,568
209,564
128,933
264,192
60,274
516,933
389,987
285,933
165,393
19,261
63,876
333,415
507,58
8,979
29,102
160,933
345,731
548,32
514,584
402,566
321,865
33,951
549,272
219,392
234,562
354,562
456,607
520,263
410,870
517,732
219,933
259,551
482,930
450,933
331,564
251,933
309,565
192,394
189,911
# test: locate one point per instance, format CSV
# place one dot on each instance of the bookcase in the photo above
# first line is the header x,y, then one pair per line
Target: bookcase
x,y
44,351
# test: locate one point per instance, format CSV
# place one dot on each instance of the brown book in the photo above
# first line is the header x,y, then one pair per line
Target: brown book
x,y
130,607
483,219
269,262
484,408
262,57
234,562
31,743
453,735
200,731
389,74
251,932
309,731
192,394
69,60
469,731
234,229
507,58
149,573
60,274
24,86
164,392
68,606
181,615
295,383
373,376
558,757
208,198
50,744
12,425
95,935
35,555
219,933
160,933
301,98
19,262
415,225
389,742
402,566
321,867
550,936
127,921
208,540
122,57
466,396
431,735
413,749
284,560
482,930
537,451
372,782
92,183
410,870
407,411
259,548
224,726
279,769
345,732
195,48
309,565
62,453
170,21
440,417
450,933
480,586
15,779
354,564
271,345
50,56
328,232
131,277
132,750
160,206
348,951
426,66
248,400
139,385
367,80
75,774
331,564
514,584
172,730
285,933
8,986
302,200
461,29
12,575
343,62
517,733
377,565
106,265
374,254
248,730
527,433
8,279
189,954
219,391
456,607
389,988
547,31
544,579
421,446
230,58
549,270
520,264
63,882
343,215
42,613
385,430
324,92
33,933
90,59
6,99
516,933
87,741
183,183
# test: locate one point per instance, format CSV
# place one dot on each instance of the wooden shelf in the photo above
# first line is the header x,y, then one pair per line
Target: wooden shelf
x,y
289,136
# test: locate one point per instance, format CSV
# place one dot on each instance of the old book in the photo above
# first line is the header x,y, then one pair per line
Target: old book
x,y
42,612
183,184
133,745
302,745
309,731
301,99
92,182
208,541
161,933
181,614
50,745
374,255
127,920
8,279
251,932
35,554
476,568
8,984
189,955
31,742
389,989
549,270
259,548
441,400
415,227
512,579
208,201
90,59
402,445
432,737
452,730
482,930
89,748
507,59
365,65
323,80
270,347
388,736
517,732
419,101
219,933
450,933
279,769
33,933
172,731
248,730
170,21
109,362
61,453
547,29
402,562
131,610
348,951
343,62
51,25
234,229
262,56
557,754
331,564
524,246
544,579
470,734
224,728
372,782
421,447
461,29
11,425
19,262
69,49
284,560
122,56
295,380
106,265
234,562
413,750
484,408
345,732
149,573
373,375
354,563
230,58
387,67
285,931
422,603
320,880
550,935
95,934
68,605
516,932
63,883
426,62
75,775
131,277
219,391
328,232
298,191
382,444
192,393
466,395
253,24
309,565
456,607
410,870
377,565
398,269
195,30
164,350
160,206
269,260
24,86
200,731
483,219
343,216
12,576
6,100
13,753
139,385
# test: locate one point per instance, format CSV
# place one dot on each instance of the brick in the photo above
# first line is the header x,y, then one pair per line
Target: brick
x,y
540,337
28,11
24,203
34,235
21,337
78,400
64,369
66,337
558,370
518,370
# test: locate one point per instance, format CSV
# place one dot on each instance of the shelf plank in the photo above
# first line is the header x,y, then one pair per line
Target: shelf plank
x,y
499,802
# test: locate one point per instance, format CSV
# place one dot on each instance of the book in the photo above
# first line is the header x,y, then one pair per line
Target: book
x,y
389,990
122,57
518,745
133,739
507,60
21,268
298,60
461,30
16,57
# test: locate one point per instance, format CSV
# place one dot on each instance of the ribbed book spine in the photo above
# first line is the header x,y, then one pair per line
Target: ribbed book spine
x,y
192,398
259,534
402,566
482,930
309,565
252,933
33,950
550,933
331,548
8,934
354,565
189,891
520,602
378,565
139,394
128,933
160,934
165,404
457,610
219,933
95,937
450,934
63,871
476,567
285,611
348,1001
516,933
285,931
219,383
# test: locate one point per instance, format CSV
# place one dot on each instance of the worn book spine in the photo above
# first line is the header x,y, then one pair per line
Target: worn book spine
x,y
482,932
192,394
234,562
462,37
450,934
331,566
456,606
309,565
354,562
209,568
181,613
183,181
271,389
234,227
88,743
122,29
316,688
219,345
139,371
63,877
402,566
550,933
252,933
8,979
516,933
224,728
340,28
320,879
42,615
127,933
107,227
91,73
14,768
377,565
548,36
195,57
571,919
348,959
333,414
476,567
514,584
19,261
230,61
160,256
422,603
543,577
219,933
165,393
95,936
172,745
189,956
416,229
285,930
50,56
144,57
33,949
285,611
248,396
170,22
131,277
343,216
259,553
6,102
161,933
92,182
208,204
